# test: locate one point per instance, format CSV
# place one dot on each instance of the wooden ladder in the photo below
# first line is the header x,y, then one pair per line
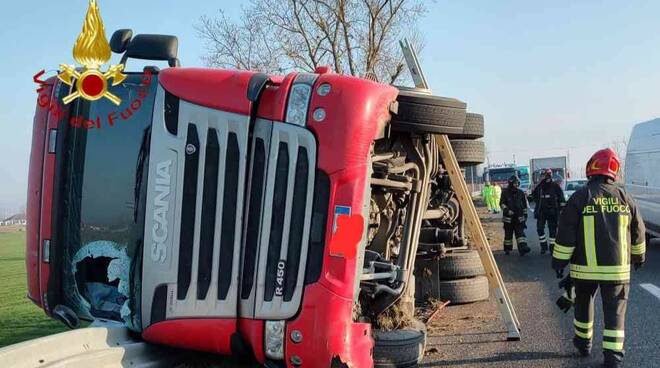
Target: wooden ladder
x,y
472,221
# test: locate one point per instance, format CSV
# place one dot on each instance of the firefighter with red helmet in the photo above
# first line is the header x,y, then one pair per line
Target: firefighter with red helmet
x,y
549,199
601,233
513,203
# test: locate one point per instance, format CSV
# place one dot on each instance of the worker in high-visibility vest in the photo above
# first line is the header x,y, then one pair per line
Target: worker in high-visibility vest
x,y
487,195
601,233
497,195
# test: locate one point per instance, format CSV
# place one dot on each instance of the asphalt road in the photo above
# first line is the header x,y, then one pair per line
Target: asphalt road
x,y
474,335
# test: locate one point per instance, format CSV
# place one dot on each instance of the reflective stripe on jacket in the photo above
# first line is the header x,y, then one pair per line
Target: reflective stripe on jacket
x,y
600,233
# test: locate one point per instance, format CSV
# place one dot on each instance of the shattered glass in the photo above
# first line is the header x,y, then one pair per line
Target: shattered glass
x,y
101,299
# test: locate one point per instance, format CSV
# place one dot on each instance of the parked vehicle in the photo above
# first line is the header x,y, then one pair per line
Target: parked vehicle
x,y
240,212
523,176
558,165
572,186
500,175
642,178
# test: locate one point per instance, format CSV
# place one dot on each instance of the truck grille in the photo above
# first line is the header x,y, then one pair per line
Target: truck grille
x,y
278,220
221,262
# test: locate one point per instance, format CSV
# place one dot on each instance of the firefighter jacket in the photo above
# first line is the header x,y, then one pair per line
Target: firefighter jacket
x,y
513,200
549,197
600,233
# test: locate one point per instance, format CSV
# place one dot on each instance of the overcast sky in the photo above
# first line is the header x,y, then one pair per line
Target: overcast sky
x,y
551,79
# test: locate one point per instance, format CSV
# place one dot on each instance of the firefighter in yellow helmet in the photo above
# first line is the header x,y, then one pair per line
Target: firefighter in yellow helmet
x,y
601,233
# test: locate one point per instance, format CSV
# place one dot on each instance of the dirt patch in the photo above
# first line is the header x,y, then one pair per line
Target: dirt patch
x,y
470,318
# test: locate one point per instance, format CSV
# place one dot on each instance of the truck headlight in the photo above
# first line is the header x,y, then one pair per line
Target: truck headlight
x,y
274,340
299,97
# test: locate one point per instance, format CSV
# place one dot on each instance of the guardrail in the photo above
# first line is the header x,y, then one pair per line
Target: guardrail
x,y
89,347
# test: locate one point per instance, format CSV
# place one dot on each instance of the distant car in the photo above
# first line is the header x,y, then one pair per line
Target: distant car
x,y
572,186
642,178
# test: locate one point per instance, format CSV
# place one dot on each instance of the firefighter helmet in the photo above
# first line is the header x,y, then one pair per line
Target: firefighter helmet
x,y
604,162
514,181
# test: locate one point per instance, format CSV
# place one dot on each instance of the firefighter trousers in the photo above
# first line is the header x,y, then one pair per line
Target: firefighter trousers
x,y
551,219
615,299
518,229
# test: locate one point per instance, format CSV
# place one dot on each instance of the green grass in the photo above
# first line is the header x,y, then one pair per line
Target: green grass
x,y
20,319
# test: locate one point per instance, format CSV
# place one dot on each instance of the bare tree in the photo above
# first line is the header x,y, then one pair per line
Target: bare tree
x,y
355,37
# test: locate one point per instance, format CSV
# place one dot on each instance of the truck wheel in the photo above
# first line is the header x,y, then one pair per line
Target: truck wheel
x,y
474,127
422,113
469,152
399,348
464,291
460,264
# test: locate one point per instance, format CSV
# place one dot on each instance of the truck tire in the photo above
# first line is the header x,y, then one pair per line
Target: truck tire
x,y
423,113
464,291
460,264
474,127
469,152
399,348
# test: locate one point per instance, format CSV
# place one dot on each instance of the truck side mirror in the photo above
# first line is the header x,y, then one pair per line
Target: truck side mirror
x,y
153,47
120,40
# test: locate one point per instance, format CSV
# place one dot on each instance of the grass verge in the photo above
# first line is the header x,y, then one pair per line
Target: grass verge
x,y
20,319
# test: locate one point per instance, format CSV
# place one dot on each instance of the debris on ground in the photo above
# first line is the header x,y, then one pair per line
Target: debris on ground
x,y
396,317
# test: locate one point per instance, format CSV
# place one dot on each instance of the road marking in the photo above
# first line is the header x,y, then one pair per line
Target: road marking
x,y
654,290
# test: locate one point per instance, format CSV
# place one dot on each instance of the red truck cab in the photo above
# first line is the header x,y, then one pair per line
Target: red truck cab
x,y
199,212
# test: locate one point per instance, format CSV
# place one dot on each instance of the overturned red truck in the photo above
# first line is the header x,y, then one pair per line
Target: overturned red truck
x,y
236,212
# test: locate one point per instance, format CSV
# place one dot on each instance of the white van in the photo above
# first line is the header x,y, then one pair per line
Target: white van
x,y
642,172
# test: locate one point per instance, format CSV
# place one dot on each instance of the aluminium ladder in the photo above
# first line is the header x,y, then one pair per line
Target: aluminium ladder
x,y
472,220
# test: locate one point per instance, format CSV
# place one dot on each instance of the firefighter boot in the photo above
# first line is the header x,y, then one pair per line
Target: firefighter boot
x,y
583,346
508,246
612,363
543,241
523,249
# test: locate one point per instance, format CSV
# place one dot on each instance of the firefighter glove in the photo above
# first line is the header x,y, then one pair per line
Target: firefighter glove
x,y
565,302
638,265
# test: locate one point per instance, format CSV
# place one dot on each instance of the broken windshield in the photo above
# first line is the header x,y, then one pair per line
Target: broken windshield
x,y
105,153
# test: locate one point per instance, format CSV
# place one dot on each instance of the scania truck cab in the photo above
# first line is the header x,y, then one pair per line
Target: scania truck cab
x,y
236,212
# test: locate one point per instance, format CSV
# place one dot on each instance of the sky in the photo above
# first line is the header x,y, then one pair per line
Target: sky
x,y
553,78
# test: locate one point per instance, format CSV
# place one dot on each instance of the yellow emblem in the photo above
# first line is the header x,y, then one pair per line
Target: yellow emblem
x,y
92,50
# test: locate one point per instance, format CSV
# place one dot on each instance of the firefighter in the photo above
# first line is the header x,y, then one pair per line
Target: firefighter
x,y
487,195
514,215
497,194
601,233
549,200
